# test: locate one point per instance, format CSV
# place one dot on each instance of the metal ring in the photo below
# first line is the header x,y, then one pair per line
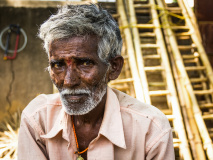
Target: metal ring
x,y
12,51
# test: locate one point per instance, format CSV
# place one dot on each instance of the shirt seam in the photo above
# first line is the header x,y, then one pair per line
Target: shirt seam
x,y
149,147
132,111
40,108
35,126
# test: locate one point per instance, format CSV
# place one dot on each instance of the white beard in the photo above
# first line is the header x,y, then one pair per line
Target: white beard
x,y
94,97
77,108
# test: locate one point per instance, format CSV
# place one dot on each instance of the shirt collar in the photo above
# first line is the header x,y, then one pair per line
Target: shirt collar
x,y
111,127
62,123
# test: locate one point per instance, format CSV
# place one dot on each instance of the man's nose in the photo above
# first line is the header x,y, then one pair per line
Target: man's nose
x,y
71,78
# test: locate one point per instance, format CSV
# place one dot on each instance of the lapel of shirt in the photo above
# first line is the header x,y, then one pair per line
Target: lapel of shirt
x,y
112,126
62,123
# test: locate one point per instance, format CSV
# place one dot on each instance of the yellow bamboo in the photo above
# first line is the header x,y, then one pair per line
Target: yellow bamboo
x,y
207,105
208,116
121,81
159,93
130,50
197,41
184,81
138,52
191,127
178,122
191,15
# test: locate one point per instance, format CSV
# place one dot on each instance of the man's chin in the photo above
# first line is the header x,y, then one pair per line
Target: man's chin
x,y
77,109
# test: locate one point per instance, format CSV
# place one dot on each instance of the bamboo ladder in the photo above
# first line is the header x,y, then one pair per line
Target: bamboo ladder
x,y
129,80
193,69
153,64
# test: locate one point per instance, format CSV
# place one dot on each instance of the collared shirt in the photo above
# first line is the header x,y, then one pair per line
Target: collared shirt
x,y
130,130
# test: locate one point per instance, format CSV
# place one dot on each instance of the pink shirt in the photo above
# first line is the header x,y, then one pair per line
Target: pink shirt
x,y
130,130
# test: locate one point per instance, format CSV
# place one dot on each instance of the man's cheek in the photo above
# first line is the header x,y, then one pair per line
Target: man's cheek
x,y
92,79
57,79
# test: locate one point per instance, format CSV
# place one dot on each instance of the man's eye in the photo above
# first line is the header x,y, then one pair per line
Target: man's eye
x,y
87,63
57,65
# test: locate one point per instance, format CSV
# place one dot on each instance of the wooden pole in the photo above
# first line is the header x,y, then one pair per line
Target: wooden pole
x,y
197,41
178,121
186,85
192,17
200,122
138,52
130,50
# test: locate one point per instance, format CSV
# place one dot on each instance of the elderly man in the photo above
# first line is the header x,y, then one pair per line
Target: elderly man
x,y
87,119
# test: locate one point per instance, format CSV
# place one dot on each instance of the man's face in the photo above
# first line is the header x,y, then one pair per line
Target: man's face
x,y
78,73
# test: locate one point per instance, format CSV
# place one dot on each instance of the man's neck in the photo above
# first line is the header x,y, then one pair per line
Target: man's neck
x,y
93,117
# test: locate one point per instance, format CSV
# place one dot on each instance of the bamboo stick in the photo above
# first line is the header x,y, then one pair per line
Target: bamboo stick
x,y
167,111
179,27
176,145
184,80
193,80
174,9
135,74
127,74
138,52
190,61
144,26
190,56
152,56
208,116
171,118
142,5
196,86
142,11
115,16
94,1
195,68
147,34
183,34
192,17
191,21
157,84
192,131
153,69
202,92
121,81
159,93
175,140
204,84
178,122
197,40
207,105
149,46
184,47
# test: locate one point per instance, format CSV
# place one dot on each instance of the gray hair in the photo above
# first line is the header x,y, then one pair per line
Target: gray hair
x,y
82,20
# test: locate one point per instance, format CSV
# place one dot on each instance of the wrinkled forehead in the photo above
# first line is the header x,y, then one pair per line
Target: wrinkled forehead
x,y
78,46
84,37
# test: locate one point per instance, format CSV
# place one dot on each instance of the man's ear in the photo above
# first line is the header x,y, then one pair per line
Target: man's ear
x,y
115,68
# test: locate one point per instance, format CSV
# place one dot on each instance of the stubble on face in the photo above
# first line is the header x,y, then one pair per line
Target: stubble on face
x,y
78,73
78,107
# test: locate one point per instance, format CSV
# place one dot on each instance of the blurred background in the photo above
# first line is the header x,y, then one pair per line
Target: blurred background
x,y
168,56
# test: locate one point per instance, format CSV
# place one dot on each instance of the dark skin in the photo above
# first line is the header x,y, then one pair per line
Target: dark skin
x,y
75,64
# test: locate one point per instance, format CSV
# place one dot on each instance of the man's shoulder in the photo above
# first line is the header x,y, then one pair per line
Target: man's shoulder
x,y
141,111
41,102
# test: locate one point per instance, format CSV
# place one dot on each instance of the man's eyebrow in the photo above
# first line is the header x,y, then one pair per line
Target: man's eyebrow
x,y
83,59
55,60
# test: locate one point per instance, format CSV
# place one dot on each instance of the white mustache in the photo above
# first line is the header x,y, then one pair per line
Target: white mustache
x,y
75,91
